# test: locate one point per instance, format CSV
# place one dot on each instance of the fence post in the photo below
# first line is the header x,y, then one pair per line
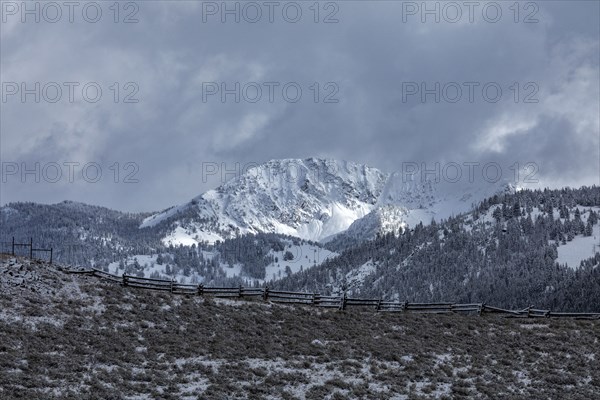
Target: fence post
x,y
266,293
171,285
200,289
529,311
124,280
30,247
343,302
378,305
240,291
50,255
13,246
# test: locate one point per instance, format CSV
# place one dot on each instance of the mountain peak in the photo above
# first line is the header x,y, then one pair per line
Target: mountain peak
x,y
313,199
310,198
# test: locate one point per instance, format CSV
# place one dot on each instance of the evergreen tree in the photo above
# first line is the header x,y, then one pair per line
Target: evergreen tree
x,y
588,229
497,214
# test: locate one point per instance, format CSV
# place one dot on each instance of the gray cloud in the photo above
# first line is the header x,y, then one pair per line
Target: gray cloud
x,y
369,53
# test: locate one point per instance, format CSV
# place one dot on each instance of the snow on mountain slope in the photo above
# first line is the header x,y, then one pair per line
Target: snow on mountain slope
x,y
310,199
405,203
578,249
581,247
315,199
425,200
384,219
356,278
305,256
572,252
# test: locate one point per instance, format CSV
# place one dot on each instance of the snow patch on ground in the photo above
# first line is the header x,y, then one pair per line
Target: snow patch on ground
x,y
181,236
305,256
579,249
356,278
534,326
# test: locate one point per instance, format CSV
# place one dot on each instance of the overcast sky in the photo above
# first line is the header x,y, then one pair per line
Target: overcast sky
x,y
372,63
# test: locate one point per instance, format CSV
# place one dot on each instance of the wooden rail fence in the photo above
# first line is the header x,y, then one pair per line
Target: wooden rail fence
x,y
341,302
315,299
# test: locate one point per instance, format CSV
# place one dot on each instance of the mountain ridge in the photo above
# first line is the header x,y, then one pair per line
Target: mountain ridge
x,y
313,199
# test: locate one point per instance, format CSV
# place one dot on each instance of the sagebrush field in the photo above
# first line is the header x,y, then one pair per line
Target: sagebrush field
x,y
77,337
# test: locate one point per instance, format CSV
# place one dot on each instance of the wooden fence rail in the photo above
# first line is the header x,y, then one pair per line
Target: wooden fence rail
x,y
340,302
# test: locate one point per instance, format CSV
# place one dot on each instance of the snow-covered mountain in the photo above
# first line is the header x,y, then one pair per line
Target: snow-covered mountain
x,y
314,199
310,199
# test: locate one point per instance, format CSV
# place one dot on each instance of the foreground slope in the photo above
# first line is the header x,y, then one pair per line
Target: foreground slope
x,y
72,337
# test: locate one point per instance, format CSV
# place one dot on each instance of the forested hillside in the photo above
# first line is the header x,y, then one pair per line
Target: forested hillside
x,y
506,252
79,233
87,236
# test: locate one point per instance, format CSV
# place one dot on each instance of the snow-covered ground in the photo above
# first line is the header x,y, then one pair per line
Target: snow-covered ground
x,y
305,256
356,278
579,249
181,236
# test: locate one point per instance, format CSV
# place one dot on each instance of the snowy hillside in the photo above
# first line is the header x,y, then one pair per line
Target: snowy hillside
x,y
571,249
580,247
287,260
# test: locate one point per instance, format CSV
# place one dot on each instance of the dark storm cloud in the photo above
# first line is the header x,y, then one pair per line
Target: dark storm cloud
x,y
368,54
